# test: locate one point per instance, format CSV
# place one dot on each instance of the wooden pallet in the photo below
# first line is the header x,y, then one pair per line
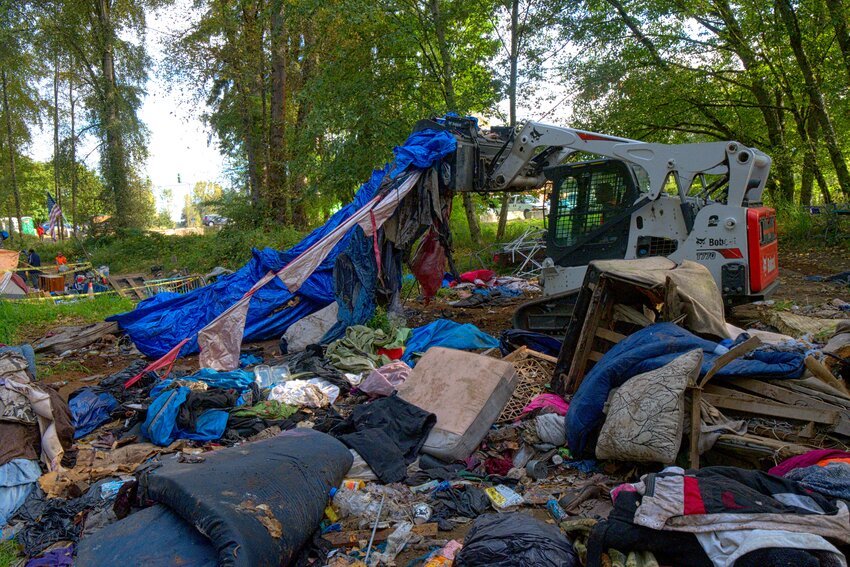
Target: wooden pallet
x,y
130,286
534,370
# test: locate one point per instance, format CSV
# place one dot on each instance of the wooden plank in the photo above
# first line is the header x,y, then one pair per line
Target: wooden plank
x,y
609,335
696,426
524,352
738,351
779,394
356,537
775,393
818,390
130,286
585,341
821,372
761,446
595,356
771,409
798,325
717,390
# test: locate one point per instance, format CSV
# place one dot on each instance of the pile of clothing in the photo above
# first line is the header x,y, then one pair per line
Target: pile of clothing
x,y
719,516
35,424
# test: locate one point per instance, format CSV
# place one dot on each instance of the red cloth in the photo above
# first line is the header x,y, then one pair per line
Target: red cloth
x,y
806,460
693,497
392,353
499,467
429,265
483,275
547,400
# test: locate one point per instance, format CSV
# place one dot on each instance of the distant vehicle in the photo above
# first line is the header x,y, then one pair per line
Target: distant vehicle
x,y
215,220
526,204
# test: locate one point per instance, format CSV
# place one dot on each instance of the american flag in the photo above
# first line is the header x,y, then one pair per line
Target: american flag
x,y
55,216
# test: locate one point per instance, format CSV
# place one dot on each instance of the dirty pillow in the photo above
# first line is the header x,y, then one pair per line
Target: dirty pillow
x,y
646,414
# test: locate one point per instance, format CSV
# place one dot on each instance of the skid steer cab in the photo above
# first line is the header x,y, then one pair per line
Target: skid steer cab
x,y
599,210
699,202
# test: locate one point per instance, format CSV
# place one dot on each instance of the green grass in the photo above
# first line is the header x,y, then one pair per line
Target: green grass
x,y
10,553
26,320
139,251
60,368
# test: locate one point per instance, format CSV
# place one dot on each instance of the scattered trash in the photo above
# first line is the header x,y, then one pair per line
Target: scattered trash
x,y
386,441
503,497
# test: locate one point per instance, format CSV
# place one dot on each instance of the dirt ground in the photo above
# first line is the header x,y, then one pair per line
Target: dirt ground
x,y
76,371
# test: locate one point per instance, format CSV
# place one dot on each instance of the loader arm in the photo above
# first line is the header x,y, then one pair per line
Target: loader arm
x,y
518,169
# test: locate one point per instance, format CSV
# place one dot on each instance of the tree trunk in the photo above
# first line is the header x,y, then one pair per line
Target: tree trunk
x,y
277,127
299,185
56,190
74,219
838,15
734,36
451,103
115,166
807,129
813,90
248,140
12,173
512,80
810,160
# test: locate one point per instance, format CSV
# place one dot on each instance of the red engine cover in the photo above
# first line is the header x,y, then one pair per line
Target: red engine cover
x,y
763,248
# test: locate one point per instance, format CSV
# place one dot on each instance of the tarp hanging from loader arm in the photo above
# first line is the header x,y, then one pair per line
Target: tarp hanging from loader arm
x,y
158,324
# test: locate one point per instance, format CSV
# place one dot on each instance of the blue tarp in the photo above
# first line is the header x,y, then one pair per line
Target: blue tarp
x,y
446,333
239,380
651,348
89,410
17,479
161,428
157,324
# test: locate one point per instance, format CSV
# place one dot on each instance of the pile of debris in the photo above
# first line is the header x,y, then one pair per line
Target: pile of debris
x,y
355,444
386,446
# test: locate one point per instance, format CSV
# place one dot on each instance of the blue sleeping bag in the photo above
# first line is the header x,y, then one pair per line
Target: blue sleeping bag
x,y
649,349
446,333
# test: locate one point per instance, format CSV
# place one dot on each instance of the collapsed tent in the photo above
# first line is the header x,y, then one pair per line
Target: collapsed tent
x,y
269,304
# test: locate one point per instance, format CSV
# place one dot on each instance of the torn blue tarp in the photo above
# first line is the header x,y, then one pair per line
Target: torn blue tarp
x,y
89,410
157,325
355,279
446,333
651,348
161,427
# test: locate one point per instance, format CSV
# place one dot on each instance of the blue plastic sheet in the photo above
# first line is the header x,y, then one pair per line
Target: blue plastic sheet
x,y
209,426
355,277
89,410
161,428
160,425
235,379
446,333
17,479
651,348
157,324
